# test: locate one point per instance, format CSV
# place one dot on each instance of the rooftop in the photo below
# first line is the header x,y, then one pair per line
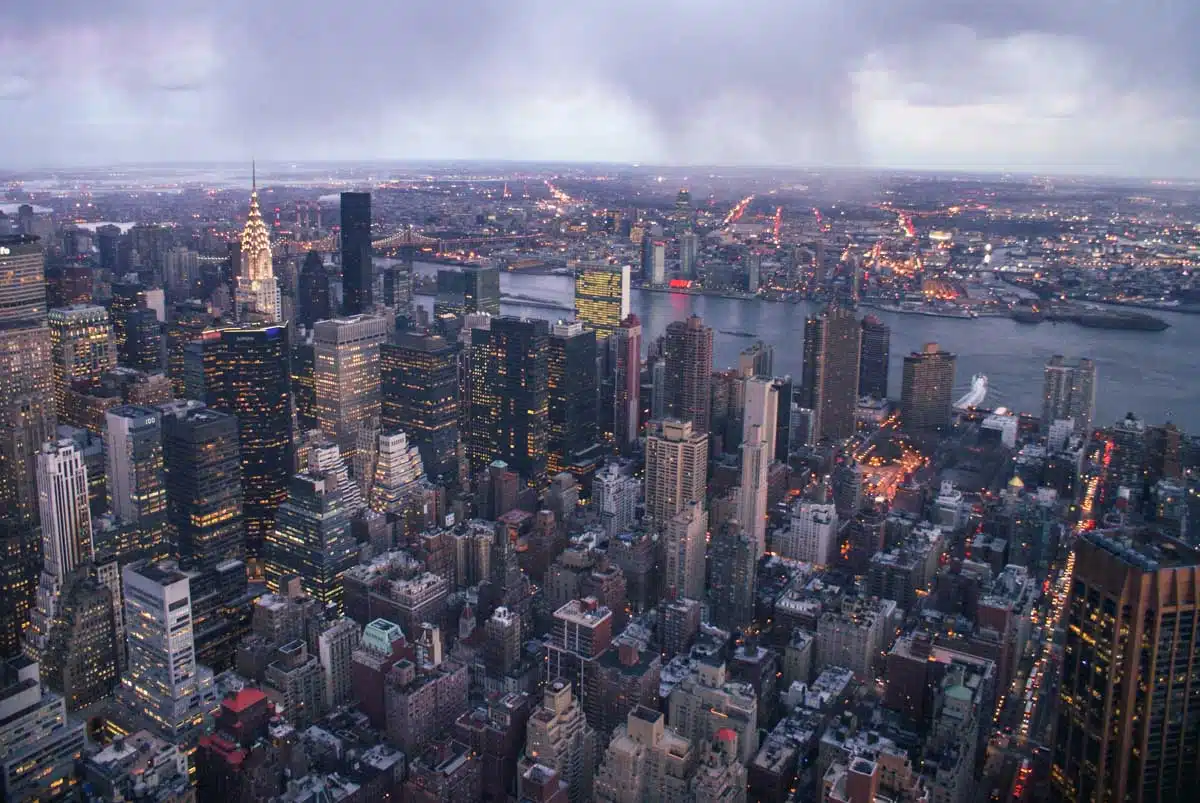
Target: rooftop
x,y
1147,549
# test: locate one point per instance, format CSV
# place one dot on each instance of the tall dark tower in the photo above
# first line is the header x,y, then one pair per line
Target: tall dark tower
x,y
831,354
1127,708
688,351
573,436
312,296
925,397
873,364
245,372
420,396
357,276
509,403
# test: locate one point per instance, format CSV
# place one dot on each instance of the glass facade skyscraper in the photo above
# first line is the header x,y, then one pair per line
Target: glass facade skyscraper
x,y
420,391
245,372
357,275
312,539
509,406
573,435
602,297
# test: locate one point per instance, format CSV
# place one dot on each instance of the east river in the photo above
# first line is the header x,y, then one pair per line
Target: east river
x,y
1153,374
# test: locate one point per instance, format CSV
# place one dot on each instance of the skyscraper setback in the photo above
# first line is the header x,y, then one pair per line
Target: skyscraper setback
x,y
832,347
358,278
346,374
688,352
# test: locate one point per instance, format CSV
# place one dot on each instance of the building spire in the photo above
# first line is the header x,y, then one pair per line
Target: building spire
x,y
253,178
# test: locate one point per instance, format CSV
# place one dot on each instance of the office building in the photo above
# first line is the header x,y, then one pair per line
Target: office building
x,y
614,498
688,353
311,540
420,396
133,452
572,440
658,263
143,340
583,631
1126,724
346,373
398,472
27,410
874,356
752,497
80,652
733,559
336,644
811,535
626,349
65,514
645,760
757,360
509,398
203,470
244,372
1069,391
831,355
164,685
602,297
685,539
676,469
313,302
707,701
854,635
688,243
358,276
20,565
558,736
481,289
39,745
926,393
81,342
257,288
760,409
189,320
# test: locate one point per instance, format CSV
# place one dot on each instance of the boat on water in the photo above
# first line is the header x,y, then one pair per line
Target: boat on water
x,y
1028,315
925,309
1106,319
737,333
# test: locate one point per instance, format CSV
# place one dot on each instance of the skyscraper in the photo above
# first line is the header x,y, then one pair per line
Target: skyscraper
x,y
358,278
20,564
257,287
688,351
509,404
1069,391
143,340
312,539
481,289
81,341
202,462
27,413
346,373
571,442
688,243
419,386
312,294
164,685
398,470
39,745
1127,715
189,320
626,348
676,469
752,497
873,362
244,372
926,395
602,297
734,565
66,517
684,545
658,263
137,491
831,354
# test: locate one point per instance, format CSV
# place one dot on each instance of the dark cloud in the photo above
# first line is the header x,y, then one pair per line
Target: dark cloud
x,y
799,81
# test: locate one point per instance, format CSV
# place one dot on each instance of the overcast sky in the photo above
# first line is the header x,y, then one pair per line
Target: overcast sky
x,y
1092,86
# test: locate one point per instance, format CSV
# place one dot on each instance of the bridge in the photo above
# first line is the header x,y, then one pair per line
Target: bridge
x,y
408,239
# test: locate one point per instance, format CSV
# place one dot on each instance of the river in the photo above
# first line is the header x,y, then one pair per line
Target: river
x,y
1147,373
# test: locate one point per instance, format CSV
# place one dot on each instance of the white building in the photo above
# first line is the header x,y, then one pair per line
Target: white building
x,y
335,648
164,683
398,469
62,483
812,536
615,497
676,469
752,499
